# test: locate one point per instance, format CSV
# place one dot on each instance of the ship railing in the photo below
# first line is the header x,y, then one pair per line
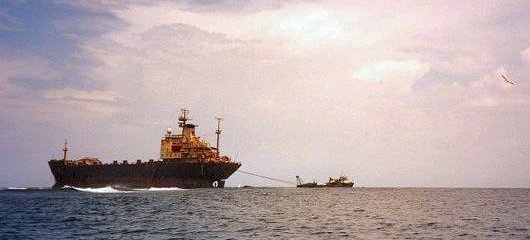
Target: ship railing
x,y
125,162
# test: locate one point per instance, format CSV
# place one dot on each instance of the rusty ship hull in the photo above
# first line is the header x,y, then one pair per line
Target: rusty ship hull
x,y
143,174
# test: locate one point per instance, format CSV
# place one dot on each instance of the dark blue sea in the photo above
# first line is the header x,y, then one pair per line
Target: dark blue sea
x,y
266,213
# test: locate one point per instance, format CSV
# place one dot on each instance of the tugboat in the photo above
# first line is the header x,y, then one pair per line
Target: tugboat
x,y
301,184
186,161
342,181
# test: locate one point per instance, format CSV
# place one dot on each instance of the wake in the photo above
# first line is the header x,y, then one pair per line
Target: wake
x,y
115,189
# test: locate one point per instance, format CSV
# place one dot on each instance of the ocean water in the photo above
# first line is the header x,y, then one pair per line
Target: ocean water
x,y
265,213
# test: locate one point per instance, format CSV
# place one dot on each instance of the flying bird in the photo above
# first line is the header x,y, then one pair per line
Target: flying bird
x,y
506,80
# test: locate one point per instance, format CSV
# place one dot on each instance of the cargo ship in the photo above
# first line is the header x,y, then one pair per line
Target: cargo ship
x,y
186,161
342,181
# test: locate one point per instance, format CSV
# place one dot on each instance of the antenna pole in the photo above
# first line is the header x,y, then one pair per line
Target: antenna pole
x,y
65,150
218,132
183,118
185,115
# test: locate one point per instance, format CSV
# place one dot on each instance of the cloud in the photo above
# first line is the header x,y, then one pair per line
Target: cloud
x,y
525,54
231,6
99,5
485,102
278,67
182,36
489,92
400,73
22,96
80,95
388,70
9,23
14,69
398,95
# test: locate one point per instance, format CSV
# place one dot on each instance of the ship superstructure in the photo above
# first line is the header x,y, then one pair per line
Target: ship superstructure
x,y
186,161
342,181
188,147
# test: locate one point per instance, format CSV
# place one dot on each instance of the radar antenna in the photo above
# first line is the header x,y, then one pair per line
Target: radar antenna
x,y
218,132
183,117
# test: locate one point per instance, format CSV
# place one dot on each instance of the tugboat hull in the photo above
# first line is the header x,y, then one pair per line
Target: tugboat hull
x,y
341,182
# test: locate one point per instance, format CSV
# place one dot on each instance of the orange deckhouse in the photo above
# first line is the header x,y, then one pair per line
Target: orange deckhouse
x,y
187,146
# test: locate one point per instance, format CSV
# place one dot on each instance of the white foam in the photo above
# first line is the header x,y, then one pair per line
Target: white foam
x,y
100,190
110,189
17,188
153,189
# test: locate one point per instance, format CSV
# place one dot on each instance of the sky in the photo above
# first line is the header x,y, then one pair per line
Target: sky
x,y
389,93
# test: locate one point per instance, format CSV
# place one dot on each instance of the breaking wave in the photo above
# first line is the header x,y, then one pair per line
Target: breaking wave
x,y
116,189
17,188
100,190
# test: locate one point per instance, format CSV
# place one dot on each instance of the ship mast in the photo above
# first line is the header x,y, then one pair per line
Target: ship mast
x,y
218,132
65,150
183,118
